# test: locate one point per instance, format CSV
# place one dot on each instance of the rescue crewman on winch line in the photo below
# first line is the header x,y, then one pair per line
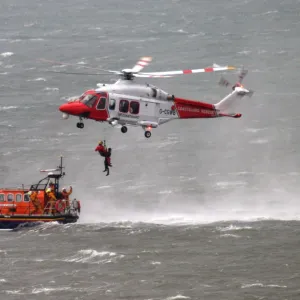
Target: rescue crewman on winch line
x,y
101,148
107,161
35,201
103,151
65,195
51,200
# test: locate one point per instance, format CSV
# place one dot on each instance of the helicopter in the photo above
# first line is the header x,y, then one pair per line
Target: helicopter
x,y
126,103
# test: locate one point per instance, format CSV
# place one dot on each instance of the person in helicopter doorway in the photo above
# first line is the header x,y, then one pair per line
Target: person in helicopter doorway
x,y
107,161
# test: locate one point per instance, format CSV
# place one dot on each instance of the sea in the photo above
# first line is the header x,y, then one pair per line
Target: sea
x,y
205,208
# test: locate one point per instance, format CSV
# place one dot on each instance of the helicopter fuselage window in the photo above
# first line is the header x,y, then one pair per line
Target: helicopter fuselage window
x,y
89,100
134,107
124,105
112,104
101,103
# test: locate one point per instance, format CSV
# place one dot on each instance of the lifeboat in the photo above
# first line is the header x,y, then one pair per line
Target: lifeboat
x,y
18,209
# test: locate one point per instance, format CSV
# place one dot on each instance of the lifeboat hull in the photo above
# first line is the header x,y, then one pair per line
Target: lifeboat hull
x,y
12,222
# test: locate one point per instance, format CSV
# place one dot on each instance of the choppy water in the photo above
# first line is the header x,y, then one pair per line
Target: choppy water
x,y
204,208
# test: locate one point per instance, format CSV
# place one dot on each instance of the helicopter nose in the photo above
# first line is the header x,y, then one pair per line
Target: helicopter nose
x,y
64,108
74,108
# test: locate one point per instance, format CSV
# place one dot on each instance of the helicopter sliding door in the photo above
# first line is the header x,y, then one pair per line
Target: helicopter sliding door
x,y
149,110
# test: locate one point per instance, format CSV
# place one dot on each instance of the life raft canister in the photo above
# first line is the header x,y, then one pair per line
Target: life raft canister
x,y
60,206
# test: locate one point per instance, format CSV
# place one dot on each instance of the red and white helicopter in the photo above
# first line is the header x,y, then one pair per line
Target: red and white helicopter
x,y
126,103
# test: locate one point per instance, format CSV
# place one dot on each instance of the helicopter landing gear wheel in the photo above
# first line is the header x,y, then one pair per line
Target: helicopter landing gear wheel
x,y
80,125
147,134
124,129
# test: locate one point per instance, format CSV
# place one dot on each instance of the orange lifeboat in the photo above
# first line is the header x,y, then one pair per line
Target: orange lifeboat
x,y
18,208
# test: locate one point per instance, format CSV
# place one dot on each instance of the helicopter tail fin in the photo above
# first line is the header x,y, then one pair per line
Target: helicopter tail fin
x,y
227,103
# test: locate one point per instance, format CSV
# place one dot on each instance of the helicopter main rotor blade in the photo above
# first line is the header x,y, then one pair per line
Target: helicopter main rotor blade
x,y
193,71
83,66
141,64
151,76
78,73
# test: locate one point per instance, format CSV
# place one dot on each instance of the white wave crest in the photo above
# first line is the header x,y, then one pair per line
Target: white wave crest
x,y
177,297
7,107
233,227
37,79
49,290
93,256
51,89
7,54
258,284
230,235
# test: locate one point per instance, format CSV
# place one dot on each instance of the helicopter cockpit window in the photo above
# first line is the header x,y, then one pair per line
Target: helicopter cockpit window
x,y
134,107
2,197
112,104
101,103
124,105
89,100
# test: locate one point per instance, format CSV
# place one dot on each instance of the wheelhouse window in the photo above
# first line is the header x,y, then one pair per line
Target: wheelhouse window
x,y
89,100
124,105
18,198
101,103
10,197
26,198
112,104
2,197
134,107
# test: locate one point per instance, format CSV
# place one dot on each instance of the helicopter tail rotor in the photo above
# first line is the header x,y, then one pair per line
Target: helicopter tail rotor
x,y
242,74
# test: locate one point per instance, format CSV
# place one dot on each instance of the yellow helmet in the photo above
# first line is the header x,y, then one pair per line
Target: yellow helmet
x,y
100,142
48,190
29,193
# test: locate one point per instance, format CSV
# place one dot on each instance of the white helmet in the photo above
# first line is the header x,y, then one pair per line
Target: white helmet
x,y
64,189
29,193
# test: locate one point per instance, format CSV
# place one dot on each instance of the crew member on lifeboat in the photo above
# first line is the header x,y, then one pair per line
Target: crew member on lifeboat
x,y
52,186
51,200
35,201
65,195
